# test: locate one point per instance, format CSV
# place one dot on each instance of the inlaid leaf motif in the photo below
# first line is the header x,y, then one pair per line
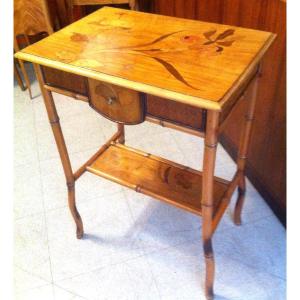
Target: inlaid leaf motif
x,y
225,43
219,49
208,34
171,69
225,34
219,40
208,43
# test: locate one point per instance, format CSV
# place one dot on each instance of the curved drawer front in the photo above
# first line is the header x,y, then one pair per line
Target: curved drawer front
x,y
116,103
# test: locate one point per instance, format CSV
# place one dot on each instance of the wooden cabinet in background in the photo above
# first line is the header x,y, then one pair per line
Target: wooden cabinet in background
x,y
266,167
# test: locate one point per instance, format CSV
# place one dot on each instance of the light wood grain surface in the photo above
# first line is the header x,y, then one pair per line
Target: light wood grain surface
x,y
155,176
192,62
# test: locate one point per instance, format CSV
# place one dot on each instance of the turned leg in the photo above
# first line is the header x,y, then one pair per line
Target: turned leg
x,y
121,128
62,149
243,149
211,141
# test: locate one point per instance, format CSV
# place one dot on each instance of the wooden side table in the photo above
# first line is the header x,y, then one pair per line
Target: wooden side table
x,y
124,55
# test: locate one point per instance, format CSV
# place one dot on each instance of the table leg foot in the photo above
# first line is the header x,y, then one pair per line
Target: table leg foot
x,y
79,233
210,269
240,202
75,214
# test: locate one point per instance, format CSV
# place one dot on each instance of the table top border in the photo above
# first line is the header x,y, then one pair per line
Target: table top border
x,y
126,83
152,89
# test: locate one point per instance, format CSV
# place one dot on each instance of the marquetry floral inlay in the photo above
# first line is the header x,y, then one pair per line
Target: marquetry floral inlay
x,y
173,42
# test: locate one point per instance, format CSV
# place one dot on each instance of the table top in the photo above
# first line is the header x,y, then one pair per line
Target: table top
x,y
192,62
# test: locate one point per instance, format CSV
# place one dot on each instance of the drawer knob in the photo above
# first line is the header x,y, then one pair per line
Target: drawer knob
x,y
110,100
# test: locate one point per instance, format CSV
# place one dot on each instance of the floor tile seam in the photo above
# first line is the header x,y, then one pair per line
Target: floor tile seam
x,y
31,288
152,274
248,265
33,275
44,206
36,214
56,281
242,262
182,150
70,154
142,249
248,223
17,127
65,206
23,164
216,253
69,291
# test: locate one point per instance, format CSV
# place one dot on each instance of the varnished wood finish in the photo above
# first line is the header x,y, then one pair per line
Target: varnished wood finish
x,y
121,129
67,93
72,4
175,126
243,149
269,131
198,192
91,160
151,175
116,46
62,149
31,17
174,112
266,163
67,81
101,2
116,103
225,201
207,202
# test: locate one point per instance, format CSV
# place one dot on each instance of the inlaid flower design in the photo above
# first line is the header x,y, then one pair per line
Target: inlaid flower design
x,y
156,48
220,40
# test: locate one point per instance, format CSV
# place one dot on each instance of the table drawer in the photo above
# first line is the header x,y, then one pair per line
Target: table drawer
x,y
117,103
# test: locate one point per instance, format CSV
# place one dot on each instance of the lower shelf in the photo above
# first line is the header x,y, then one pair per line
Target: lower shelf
x,y
154,176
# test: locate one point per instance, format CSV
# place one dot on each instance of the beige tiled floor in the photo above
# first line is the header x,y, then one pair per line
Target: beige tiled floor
x,y
134,247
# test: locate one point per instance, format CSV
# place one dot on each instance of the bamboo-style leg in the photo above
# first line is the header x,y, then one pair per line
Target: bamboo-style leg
x,y
18,77
121,128
62,149
243,148
240,200
211,141
74,211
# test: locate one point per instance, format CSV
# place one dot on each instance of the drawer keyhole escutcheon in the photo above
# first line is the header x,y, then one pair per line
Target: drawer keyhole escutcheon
x,y
116,103
111,100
